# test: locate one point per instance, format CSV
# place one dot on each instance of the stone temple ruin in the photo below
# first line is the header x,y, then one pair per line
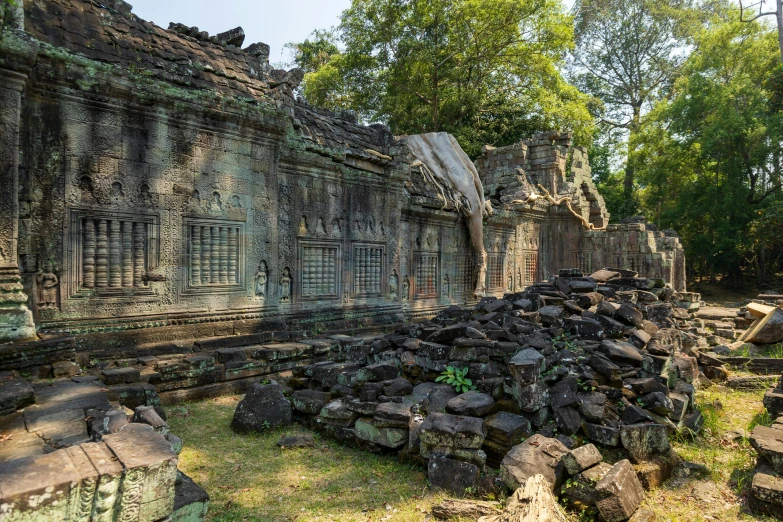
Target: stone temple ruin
x,y
166,200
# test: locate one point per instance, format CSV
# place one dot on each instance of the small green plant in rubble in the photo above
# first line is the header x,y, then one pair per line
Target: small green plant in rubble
x,y
457,378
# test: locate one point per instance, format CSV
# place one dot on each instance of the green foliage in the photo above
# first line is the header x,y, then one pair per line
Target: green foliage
x,y
485,70
457,378
626,53
709,155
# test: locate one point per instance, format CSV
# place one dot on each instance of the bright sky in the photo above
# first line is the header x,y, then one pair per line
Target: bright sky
x,y
274,22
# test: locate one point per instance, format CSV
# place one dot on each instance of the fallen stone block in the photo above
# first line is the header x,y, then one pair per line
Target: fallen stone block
x,y
191,501
471,404
526,366
15,393
621,493
263,407
309,401
537,455
645,441
768,442
581,458
337,413
457,477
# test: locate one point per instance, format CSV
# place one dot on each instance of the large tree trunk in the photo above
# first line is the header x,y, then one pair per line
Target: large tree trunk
x,y
533,502
779,16
630,174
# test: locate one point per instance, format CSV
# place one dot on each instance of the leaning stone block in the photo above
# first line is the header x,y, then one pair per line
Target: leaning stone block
x,y
15,393
581,458
537,455
621,492
768,442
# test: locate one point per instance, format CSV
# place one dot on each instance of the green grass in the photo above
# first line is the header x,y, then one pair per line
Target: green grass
x,y
249,478
772,351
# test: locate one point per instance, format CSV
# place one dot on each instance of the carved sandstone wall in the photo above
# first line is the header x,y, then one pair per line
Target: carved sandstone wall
x,y
167,178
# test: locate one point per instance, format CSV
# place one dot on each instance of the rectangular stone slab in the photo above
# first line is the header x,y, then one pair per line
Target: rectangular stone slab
x,y
150,471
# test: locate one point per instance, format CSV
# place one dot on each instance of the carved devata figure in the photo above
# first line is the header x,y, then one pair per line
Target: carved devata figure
x,y
286,284
262,280
446,286
394,281
47,287
406,288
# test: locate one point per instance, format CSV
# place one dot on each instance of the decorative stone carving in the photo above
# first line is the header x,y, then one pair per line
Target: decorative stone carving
x,y
47,287
406,289
394,282
286,285
262,280
368,269
446,286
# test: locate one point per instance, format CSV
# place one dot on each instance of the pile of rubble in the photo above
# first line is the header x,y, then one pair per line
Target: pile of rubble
x,y
74,450
576,360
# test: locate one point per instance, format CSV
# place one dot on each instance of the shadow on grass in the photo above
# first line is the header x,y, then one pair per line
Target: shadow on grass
x,y
250,478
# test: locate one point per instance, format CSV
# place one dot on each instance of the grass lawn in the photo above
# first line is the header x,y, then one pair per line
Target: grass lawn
x,y
249,478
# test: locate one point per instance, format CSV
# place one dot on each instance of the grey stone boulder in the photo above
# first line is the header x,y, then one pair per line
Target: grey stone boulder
x,y
455,476
393,415
581,458
507,428
621,493
645,441
15,393
191,501
768,443
263,407
471,404
621,352
536,455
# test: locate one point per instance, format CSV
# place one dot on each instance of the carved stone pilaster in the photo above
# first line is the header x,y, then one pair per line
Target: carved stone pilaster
x,y
16,320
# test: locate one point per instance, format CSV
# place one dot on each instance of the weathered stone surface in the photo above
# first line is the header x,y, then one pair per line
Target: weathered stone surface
x,y
621,492
507,428
471,404
15,393
442,429
309,401
393,415
621,352
645,441
367,429
337,413
768,442
457,477
262,408
537,455
581,458
526,366
191,501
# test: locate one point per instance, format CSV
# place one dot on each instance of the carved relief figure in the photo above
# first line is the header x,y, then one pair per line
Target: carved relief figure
x,y
47,287
446,286
320,229
510,283
394,281
286,285
406,288
303,226
519,279
262,279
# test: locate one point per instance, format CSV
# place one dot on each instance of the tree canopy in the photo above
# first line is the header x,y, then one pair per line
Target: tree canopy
x,y
487,71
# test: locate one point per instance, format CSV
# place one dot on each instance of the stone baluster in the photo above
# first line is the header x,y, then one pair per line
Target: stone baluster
x,y
88,253
206,255
195,255
223,273
127,254
139,239
214,262
115,272
232,255
102,255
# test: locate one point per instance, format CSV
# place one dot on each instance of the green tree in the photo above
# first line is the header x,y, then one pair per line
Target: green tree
x,y
485,70
709,156
626,52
